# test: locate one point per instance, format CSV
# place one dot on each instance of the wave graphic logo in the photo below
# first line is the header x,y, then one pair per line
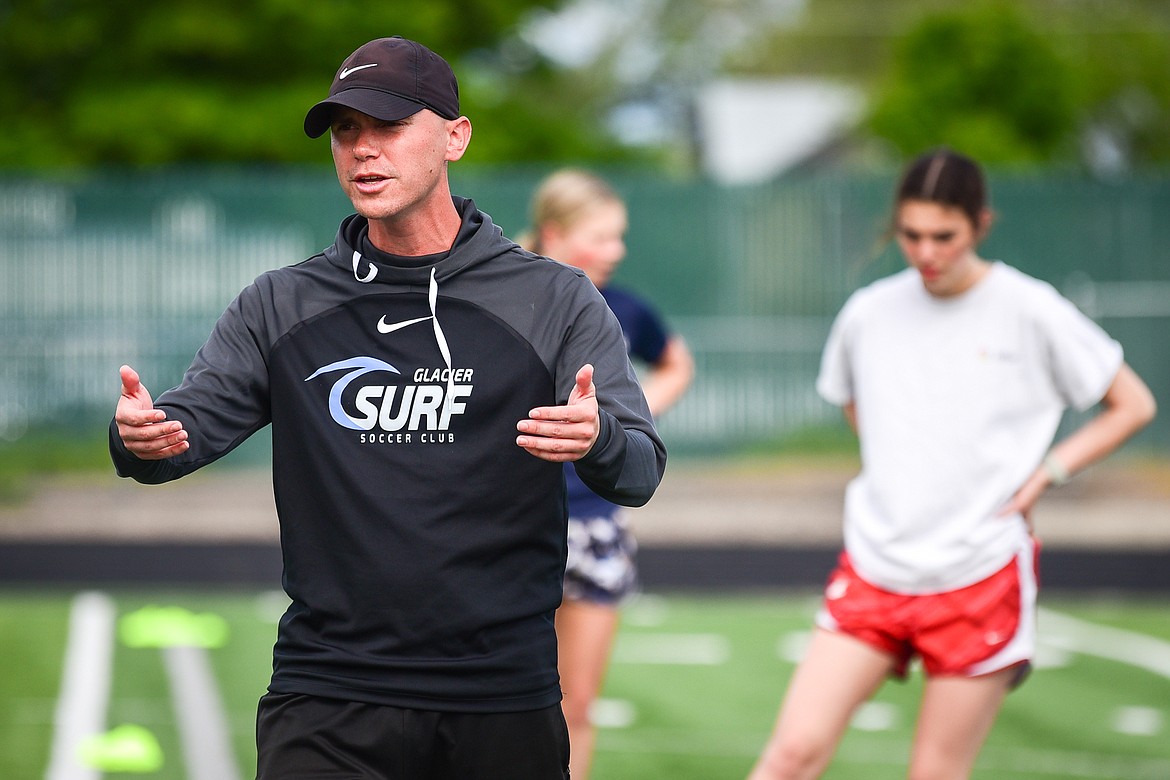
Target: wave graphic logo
x,y
357,367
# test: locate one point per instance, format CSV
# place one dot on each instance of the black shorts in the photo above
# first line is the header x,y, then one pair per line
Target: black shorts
x,y
302,737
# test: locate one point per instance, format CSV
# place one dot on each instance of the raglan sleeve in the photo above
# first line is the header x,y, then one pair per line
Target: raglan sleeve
x,y
628,460
221,400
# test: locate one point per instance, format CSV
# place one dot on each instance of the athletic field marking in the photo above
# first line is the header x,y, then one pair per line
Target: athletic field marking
x,y
1128,647
271,606
645,610
1137,721
199,713
681,649
1049,656
85,685
875,716
792,646
612,714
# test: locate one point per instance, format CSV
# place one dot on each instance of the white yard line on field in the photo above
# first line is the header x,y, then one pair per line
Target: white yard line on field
x,y
1137,721
199,713
612,713
1128,647
681,649
85,685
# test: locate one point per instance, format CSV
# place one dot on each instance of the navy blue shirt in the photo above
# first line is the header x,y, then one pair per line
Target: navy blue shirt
x,y
646,337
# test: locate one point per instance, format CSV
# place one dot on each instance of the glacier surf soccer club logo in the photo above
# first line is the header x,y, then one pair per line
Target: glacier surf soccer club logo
x,y
416,409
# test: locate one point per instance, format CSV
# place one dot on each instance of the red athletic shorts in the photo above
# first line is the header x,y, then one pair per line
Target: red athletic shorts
x,y
979,629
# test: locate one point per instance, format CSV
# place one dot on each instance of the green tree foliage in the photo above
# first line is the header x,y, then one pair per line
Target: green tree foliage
x,y
1051,82
982,80
1124,90
1087,86
124,83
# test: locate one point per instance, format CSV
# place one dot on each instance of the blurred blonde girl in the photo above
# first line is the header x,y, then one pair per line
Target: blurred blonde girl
x,y
578,219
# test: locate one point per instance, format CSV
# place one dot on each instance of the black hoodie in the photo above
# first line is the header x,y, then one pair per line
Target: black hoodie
x,y
423,549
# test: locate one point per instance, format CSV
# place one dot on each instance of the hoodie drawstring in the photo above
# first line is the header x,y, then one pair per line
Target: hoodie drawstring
x,y
357,258
432,299
441,340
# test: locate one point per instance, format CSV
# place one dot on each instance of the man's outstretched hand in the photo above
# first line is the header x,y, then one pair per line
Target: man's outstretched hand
x,y
145,431
564,433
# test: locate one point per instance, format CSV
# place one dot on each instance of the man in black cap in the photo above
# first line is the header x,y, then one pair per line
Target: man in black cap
x,y
424,378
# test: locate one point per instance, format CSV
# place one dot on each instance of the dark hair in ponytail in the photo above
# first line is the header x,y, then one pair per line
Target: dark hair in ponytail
x,y
948,178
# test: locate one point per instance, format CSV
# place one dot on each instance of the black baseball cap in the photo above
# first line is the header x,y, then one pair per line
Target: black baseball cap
x,y
389,78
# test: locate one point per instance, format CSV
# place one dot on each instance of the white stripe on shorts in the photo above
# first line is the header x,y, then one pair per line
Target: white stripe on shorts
x,y
1022,646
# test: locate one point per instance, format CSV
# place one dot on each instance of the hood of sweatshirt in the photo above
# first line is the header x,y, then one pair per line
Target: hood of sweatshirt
x,y
478,241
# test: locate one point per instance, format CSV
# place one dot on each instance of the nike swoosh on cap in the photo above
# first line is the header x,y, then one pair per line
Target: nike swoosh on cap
x,y
345,72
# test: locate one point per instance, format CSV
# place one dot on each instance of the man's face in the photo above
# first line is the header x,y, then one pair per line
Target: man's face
x,y
388,169
939,242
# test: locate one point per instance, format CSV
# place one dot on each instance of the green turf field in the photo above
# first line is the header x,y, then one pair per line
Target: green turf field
x,y
692,691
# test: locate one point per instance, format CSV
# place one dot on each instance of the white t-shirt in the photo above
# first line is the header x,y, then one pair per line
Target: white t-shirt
x,y
957,402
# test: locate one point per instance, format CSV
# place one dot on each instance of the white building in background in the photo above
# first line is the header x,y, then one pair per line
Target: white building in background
x,y
738,130
752,130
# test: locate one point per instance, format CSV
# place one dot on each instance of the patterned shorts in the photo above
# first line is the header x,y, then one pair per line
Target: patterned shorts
x,y
600,567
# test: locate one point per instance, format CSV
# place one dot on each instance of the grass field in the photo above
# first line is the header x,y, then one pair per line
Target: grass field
x,y
692,691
